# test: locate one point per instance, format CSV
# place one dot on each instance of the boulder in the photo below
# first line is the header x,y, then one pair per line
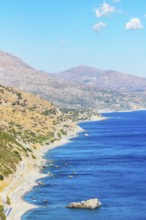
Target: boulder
x,y
88,204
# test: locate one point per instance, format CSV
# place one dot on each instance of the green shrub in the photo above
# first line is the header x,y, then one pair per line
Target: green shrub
x,y
33,156
49,112
2,215
59,135
28,149
1,177
63,132
19,95
8,200
1,208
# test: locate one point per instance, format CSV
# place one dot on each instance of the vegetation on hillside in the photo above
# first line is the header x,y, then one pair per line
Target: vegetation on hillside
x,y
2,215
80,114
26,122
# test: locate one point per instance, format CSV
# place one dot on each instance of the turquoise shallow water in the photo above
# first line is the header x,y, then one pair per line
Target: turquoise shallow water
x,y
109,163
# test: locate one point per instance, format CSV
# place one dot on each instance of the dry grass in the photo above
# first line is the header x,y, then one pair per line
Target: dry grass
x,y
26,122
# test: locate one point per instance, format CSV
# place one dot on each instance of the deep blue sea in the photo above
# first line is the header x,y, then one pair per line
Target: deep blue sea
x,y
109,163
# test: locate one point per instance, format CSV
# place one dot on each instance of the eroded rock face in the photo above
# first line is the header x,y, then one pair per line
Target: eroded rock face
x,y
88,204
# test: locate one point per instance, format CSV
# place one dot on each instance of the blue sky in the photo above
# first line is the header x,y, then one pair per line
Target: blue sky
x,y
54,35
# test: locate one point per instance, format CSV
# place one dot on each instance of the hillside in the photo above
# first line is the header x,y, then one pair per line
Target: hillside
x,y
79,88
26,123
103,79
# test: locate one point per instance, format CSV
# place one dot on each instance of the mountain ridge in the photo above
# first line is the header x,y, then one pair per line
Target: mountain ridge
x,y
102,79
80,92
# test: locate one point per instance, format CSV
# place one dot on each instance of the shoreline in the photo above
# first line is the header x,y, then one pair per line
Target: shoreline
x,y
26,178
29,172
134,110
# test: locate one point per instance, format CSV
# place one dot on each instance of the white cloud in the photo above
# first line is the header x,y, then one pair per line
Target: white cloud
x,y
104,10
133,24
97,27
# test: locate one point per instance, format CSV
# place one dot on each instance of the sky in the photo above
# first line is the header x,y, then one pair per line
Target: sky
x,y
55,35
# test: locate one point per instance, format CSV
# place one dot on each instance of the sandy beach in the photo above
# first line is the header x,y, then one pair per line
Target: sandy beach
x,y
26,178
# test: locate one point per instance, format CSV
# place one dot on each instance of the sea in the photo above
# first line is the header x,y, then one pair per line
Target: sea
x,y
106,161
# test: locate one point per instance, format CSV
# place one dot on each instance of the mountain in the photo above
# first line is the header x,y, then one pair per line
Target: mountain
x,y
78,88
103,79
14,72
11,63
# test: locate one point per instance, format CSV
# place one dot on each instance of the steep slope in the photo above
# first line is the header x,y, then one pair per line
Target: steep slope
x,y
26,123
12,63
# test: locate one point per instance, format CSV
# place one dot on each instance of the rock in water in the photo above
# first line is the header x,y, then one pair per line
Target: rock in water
x,y
88,204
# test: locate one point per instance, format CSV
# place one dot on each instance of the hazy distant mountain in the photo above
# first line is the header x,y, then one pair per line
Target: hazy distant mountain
x,y
77,88
103,79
